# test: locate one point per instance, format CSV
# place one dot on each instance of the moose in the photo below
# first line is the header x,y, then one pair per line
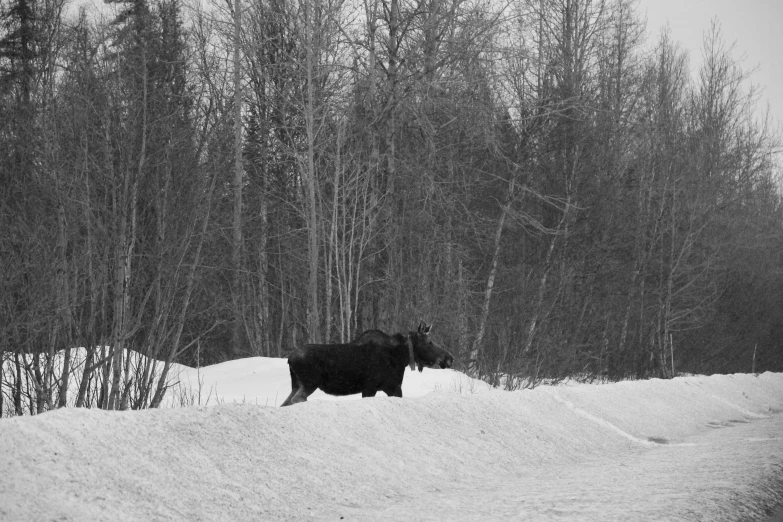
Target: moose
x,y
373,362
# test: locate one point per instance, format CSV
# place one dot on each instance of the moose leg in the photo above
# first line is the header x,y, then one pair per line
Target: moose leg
x,y
369,393
296,386
289,400
394,391
301,395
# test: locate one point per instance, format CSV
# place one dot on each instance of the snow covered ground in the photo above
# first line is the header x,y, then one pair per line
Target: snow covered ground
x,y
693,448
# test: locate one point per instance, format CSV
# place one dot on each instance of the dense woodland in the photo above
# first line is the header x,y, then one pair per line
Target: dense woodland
x,y
558,192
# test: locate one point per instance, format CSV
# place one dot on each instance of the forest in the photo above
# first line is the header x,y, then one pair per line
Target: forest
x,y
561,194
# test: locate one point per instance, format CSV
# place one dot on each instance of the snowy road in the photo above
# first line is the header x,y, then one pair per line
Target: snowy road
x,y
691,448
733,473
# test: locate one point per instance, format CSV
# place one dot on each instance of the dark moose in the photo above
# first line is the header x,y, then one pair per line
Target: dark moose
x,y
374,361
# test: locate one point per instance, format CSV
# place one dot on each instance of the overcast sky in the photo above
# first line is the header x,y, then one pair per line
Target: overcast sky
x,y
755,27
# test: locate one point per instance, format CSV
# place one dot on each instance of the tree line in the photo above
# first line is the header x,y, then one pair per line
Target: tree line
x,y
558,194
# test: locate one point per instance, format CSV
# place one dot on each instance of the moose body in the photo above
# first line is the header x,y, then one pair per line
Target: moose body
x,y
383,339
372,362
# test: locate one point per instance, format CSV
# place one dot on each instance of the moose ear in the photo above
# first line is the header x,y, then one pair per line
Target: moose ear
x,y
427,329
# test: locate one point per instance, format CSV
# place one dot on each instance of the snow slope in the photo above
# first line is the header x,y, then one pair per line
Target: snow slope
x,y
693,448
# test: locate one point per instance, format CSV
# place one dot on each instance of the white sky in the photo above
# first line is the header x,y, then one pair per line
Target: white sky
x,y
755,27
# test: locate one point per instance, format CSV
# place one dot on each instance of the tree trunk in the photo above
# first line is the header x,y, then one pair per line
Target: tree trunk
x,y
547,267
18,386
236,243
474,352
124,256
332,250
311,211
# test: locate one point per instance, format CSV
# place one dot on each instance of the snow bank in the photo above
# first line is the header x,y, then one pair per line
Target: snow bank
x,y
687,449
